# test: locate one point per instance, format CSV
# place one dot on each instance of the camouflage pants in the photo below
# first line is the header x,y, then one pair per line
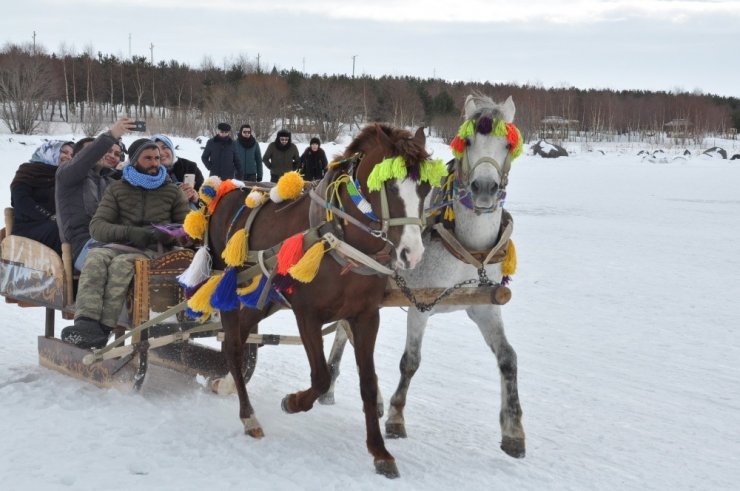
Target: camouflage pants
x,y
104,282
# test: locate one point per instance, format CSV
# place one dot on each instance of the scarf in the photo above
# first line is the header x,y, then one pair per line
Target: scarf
x,y
139,180
247,142
36,175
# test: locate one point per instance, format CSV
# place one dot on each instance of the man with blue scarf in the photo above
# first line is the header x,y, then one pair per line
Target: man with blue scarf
x,y
123,226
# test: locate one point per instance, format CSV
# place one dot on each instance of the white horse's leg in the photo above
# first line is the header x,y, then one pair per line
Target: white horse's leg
x,y
343,334
491,325
335,359
416,323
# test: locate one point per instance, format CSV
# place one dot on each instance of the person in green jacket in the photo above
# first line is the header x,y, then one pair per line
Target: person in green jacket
x,y
249,154
122,226
281,156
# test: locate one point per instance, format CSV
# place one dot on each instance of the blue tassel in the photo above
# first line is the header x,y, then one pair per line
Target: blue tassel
x,y
250,300
224,297
192,314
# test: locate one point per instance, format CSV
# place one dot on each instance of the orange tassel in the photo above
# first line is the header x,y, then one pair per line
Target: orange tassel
x,y
290,253
225,188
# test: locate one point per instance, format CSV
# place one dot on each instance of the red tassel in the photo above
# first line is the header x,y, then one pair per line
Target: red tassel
x,y
290,253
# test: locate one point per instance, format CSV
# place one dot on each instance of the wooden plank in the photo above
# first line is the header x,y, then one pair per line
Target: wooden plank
x,y
481,295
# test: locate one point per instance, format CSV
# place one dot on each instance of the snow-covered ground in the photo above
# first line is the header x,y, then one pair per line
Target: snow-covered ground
x,y
625,318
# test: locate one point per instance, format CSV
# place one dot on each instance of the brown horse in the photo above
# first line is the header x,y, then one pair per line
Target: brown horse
x,y
337,292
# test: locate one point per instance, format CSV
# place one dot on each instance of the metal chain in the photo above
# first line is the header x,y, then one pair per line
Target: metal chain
x,y
425,307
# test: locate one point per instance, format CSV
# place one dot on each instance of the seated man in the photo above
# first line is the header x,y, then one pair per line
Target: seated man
x,y
123,223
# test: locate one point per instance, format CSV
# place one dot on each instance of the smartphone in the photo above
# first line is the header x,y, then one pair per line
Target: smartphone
x,y
189,179
139,126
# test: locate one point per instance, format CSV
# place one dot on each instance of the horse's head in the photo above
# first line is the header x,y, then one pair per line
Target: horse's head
x,y
396,175
484,148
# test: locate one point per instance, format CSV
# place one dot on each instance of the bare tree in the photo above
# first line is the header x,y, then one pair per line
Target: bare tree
x,y
25,84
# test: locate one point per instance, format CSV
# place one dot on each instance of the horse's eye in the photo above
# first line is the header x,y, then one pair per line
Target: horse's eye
x,y
467,142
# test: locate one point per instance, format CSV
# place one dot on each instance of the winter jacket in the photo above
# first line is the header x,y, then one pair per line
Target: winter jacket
x,y
185,166
313,164
125,207
32,199
250,157
221,159
79,189
281,159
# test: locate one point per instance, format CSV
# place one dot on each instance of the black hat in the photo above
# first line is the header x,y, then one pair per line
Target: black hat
x,y
315,140
135,149
224,127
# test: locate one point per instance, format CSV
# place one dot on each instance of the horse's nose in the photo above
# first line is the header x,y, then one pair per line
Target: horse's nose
x,y
409,259
484,186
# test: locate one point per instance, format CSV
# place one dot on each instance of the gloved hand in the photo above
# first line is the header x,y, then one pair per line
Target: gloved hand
x,y
141,237
164,238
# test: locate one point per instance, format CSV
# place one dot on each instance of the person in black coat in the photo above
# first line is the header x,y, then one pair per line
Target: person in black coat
x,y
313,161
177,167
220,156
32,194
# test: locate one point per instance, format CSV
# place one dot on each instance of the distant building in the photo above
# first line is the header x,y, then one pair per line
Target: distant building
x,y
556,128
678,128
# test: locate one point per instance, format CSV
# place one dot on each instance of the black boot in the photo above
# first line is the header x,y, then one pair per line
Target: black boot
x,y
86,333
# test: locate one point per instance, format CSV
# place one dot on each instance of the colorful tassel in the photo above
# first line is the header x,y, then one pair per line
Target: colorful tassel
x,y
255,199
252,286
235,252
225,188
250,300
224,296
290,253
306,269
433,171
195,224
201,300
290,185
449,215
208,189
198,271
508,266
458,146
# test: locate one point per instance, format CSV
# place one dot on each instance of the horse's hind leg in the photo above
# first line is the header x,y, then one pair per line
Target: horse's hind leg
x,y
335,360
233,347
364,332
416,322
491,325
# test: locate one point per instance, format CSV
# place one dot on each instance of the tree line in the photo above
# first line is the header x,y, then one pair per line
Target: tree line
x,y
88,90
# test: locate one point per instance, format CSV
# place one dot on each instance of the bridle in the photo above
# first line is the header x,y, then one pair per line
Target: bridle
x,y
465,170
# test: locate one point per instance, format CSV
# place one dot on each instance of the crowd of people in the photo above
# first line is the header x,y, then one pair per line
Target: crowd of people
x,y
108,207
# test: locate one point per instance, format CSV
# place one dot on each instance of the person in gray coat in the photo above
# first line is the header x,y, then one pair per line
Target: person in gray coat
x,y
220,156
80,184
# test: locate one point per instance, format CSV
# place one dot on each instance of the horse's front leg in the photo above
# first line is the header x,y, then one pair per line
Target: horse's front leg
x,y
364,332
416,322
491,325
310,331
233,347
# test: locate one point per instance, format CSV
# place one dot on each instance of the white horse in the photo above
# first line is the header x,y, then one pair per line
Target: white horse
x,y
481,168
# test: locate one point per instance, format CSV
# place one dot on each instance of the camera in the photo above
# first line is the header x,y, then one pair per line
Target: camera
x,y
139,126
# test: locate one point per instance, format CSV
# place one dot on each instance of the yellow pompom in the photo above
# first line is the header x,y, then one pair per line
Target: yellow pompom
x,y
235,252
201,300
290,185
195,224
306,269
254,199
252,286
508,266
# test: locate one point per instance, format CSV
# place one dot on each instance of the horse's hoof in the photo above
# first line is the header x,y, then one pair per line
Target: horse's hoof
x,y
327,399
395,430
255,433
285,404
381,410
387,468
513,447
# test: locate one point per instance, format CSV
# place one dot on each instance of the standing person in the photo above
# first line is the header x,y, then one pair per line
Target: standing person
x,y
80,184
177,167
249,154
313,161
281,156
32,194
220,156
123,221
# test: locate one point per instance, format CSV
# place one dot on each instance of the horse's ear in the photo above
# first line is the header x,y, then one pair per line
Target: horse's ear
x,y
508,110
469,106
420,137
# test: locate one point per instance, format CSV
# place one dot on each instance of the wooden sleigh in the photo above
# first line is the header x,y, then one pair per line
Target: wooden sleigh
x,y
34,275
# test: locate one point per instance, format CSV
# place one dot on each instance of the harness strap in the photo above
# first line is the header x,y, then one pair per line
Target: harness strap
x,y
497,251
346,216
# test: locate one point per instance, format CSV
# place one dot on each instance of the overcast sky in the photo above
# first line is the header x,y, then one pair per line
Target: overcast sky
x,y
633,44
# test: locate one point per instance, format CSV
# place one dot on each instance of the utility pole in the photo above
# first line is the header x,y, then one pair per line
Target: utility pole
x,y
151,50
34,42
129,45
353,65
304,65
259,70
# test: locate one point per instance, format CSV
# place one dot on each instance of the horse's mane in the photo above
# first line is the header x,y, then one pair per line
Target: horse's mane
x,y
402,141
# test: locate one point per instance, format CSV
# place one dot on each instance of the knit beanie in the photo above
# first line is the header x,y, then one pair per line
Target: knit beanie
x,y
316,141
224,127
167,142
135,149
